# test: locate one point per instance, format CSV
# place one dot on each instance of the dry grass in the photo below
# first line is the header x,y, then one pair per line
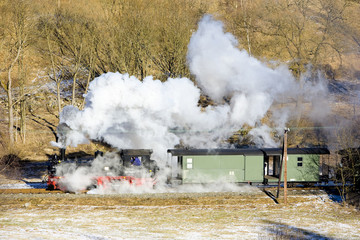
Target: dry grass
x,y
175,216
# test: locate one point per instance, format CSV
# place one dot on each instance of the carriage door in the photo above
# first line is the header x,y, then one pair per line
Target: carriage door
x,y
272,164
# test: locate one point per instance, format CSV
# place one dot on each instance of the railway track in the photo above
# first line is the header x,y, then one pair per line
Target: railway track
x,y
45,191
29,190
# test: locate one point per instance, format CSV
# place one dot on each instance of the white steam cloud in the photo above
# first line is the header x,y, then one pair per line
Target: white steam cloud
x,y
221,70
125,112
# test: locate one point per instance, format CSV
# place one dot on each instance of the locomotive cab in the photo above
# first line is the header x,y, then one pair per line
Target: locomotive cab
x,y
135,159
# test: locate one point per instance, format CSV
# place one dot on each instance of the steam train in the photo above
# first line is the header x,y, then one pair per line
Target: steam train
x,y
204,166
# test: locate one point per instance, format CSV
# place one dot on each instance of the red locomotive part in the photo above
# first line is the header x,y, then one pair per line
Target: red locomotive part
x,y
103,181
52,183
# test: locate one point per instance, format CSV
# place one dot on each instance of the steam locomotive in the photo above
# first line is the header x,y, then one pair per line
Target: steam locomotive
x,y
120,169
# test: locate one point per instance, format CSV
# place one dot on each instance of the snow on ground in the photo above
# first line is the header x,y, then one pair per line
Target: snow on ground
x,y
226,216
28,185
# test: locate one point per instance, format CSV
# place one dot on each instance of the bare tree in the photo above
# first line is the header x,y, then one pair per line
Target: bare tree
x,y
90,58
172,32
347,169
69,32
14,38
53,55
241,16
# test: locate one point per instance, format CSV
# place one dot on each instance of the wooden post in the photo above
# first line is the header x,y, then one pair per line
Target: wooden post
x,y
285,165
279,182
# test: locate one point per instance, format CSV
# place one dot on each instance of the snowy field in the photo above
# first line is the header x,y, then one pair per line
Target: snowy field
x,y
29,185
228,215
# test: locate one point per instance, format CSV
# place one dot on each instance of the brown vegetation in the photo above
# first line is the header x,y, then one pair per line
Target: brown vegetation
x,y
177,215
57,41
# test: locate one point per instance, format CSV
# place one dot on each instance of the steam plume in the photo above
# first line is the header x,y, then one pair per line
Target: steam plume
x,y
128,113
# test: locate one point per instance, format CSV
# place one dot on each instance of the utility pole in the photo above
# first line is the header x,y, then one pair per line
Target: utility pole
x,y
285,165
281,167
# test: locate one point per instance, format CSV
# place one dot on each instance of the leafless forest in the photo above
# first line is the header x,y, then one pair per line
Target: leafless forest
x,y
51,51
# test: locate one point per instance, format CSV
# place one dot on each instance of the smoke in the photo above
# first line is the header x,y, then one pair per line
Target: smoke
x,y
128,113
262,136
315,91
222,70
125,112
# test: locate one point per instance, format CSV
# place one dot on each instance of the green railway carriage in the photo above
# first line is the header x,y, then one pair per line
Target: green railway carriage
x,y
248,165
303,164
213,165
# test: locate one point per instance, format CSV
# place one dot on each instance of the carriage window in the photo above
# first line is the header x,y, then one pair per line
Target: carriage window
x,y
189,163
299,161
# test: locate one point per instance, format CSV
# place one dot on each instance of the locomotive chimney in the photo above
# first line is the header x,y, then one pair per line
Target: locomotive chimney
x,y
62,154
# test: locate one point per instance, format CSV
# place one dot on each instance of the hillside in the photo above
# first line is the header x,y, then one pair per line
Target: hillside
x,y
46,46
